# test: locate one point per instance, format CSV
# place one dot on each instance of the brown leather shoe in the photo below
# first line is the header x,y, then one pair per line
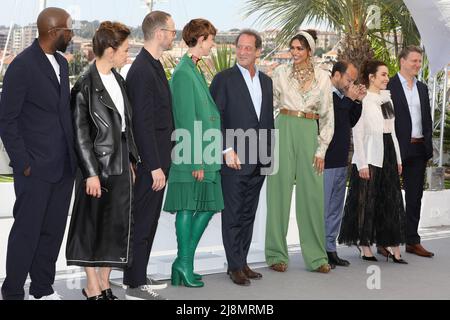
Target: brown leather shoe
x,y
279,267
419,250
382,251
239,278
325,268
252,274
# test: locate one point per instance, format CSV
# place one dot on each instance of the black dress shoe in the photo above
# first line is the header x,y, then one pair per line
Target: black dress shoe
x,y
251,274
333,259
239,278
108,295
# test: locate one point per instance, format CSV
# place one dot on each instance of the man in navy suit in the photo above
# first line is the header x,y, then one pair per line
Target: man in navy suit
x,y
413,127
244,96
36,128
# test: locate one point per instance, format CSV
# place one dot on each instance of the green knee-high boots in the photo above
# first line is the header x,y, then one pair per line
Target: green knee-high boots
x,y
199,223
189,230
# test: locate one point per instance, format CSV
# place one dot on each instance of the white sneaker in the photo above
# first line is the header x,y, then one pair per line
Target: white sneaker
x,y
53,296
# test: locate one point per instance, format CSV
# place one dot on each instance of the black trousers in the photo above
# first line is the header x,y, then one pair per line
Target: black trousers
x,y
241,196
147,210
413,180
40,216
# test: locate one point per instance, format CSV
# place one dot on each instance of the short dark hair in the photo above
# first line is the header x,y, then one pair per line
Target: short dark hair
x,y
250,32
303,40
341,66
109,34
370,67
153,21
407,50
195,29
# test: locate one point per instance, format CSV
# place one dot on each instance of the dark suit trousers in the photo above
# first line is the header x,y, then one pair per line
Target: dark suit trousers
x,y
241,196
413,180
40,216
147,209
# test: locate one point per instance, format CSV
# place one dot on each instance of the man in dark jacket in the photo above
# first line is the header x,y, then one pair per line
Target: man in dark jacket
x,y
149,93
413,127
36,128
347,110
244,97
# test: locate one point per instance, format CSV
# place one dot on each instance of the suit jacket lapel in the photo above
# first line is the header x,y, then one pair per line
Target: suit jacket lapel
x,y
45,65
422,97
64,76
243,89
264,93
401,94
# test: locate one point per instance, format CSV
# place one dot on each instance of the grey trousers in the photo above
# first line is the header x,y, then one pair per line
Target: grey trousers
x,y
334,196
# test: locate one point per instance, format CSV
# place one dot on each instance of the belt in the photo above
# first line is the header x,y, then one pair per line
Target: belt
x,y
417,140
300,114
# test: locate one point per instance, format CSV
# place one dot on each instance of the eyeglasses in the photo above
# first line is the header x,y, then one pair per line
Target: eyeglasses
x,y
174,32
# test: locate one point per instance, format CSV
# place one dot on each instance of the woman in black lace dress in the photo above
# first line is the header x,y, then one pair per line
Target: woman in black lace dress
x,y
374,211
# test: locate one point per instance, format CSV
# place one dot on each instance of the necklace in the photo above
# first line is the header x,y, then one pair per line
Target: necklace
x,y
303,75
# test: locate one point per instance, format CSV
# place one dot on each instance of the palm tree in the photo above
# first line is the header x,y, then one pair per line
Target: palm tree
x,y
220,60
352,18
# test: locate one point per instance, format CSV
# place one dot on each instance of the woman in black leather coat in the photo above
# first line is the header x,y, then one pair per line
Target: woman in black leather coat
x,y
100,231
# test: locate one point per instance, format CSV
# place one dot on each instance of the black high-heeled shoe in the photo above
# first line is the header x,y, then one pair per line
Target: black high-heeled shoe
x,y
392,256
108,294
401,261
98,297
372,258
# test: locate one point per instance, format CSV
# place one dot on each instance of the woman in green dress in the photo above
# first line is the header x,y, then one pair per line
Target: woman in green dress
x,y
194,188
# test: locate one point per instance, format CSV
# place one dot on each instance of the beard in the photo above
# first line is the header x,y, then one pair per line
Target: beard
x,y
61,44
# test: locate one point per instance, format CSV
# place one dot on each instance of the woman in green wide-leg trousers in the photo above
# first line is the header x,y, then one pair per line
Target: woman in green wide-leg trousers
x,y
297,147
303,94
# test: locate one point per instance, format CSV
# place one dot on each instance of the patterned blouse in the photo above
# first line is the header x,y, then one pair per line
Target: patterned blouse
x,y
318,99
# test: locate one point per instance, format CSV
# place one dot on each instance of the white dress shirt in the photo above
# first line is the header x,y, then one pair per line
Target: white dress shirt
x,y
413,99
368,132
254,88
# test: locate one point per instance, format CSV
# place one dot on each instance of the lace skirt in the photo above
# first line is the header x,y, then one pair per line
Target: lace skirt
x,y
374,211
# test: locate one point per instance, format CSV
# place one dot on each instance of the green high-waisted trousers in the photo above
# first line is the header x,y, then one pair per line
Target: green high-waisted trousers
x,y
297,146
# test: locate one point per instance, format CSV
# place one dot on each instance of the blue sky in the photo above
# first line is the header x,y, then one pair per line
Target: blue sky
x,y
224,14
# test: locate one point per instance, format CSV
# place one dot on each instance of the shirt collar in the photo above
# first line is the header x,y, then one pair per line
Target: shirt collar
x,y
339,93
244,71
403,80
